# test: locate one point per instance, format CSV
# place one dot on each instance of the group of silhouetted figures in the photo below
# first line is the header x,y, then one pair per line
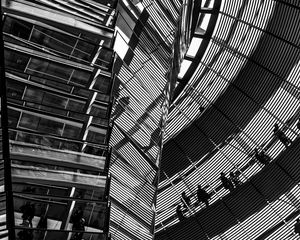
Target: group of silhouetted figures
x,y
202,196
230,182
233,181
28,212
261,156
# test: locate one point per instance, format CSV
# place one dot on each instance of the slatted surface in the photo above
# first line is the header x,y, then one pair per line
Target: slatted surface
x,y
2,189
253,83
247,81
253,209
139,84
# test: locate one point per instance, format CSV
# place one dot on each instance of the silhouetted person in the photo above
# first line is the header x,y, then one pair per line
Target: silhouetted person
x,y
227,184
281,136
185,200
31,214
153,139
234,179
179,213
123,102
297,226
28,211
80,227
76,218
202,195
262,157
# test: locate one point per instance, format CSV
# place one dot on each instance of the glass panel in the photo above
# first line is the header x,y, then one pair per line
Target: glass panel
x,y
102,84
54,100
29,121
99,111
80,77
14,90
96,137
105,58
17,28
13,117
71,131
15,61
53,40
81,92
31,95
75,106
51,83
83,50
49,126
50,70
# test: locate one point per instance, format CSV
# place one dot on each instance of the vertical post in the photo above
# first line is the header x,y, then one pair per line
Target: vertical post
x,y
70,207
107,187
107,160
107,218
10,223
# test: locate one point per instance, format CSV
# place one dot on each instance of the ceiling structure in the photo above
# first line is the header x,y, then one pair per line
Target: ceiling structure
x,y
239,74
247,80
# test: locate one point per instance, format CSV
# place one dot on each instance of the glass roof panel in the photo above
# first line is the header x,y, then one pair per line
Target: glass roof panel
x,y
184,67
194,46
120,46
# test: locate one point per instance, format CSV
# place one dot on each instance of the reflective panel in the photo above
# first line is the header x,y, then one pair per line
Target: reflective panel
x,y
59,80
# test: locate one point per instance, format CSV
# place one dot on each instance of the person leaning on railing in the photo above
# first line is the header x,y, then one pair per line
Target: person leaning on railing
x,y
262,157
281,136
203,196
226,182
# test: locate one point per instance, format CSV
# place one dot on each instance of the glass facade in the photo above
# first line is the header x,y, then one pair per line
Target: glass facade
x,y
58,72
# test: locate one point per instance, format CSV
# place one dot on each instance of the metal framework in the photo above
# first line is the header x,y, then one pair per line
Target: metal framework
x,y
56,105
66,95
